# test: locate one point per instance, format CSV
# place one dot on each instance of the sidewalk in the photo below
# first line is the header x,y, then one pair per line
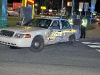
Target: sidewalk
x,y
93,33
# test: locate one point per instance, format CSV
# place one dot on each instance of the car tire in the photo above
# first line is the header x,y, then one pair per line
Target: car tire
x,y
8,14
71,39
37,44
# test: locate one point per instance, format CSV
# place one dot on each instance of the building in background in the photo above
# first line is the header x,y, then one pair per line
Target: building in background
x,y
14,5
10,6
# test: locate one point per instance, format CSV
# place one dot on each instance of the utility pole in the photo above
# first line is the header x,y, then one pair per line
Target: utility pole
x,y
62,5
72,11
3,13
42,9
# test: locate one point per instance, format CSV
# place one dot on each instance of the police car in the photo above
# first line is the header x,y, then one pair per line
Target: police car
x,y
37,33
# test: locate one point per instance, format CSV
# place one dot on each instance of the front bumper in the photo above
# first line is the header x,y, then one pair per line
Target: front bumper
x,y
17,42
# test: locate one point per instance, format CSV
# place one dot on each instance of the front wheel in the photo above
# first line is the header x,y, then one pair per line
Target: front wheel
x,y
37,44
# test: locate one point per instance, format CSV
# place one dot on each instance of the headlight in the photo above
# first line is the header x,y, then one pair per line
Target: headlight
x,y
17,35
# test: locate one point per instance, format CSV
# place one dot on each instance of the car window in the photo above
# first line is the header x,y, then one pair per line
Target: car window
x,y
55,24
65,24
43,23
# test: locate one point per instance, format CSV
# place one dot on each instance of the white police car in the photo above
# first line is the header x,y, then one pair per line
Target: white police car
x,y
37,33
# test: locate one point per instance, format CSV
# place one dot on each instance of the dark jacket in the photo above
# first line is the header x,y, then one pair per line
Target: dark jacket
x,y
77,22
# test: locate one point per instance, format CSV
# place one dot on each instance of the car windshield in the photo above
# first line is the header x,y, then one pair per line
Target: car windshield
x,y
43,23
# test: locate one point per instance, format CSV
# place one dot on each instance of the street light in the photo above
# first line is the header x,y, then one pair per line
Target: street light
x,y
36,5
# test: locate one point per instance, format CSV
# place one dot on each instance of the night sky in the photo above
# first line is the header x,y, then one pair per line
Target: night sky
x,y
10,1
97,7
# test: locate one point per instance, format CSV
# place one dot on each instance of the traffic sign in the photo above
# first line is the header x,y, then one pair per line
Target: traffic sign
x,y
86,6
93,1
92,7
80,6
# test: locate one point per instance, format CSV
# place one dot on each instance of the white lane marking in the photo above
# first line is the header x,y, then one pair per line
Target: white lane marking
x,y
98,50
90,43
86,42
94,46
97,37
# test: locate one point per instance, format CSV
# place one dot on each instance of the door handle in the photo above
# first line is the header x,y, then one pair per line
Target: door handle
x,y
59,31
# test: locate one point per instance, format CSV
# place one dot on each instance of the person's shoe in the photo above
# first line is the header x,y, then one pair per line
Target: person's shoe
x,y
80,38
77,40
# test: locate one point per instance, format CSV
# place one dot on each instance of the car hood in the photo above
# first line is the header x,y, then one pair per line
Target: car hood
x,y
23,29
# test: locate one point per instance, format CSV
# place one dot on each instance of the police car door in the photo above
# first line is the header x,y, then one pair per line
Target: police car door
x,y
56,32
66,30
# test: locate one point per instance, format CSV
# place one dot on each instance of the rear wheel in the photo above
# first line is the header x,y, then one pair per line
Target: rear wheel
x,y
71,39
37,44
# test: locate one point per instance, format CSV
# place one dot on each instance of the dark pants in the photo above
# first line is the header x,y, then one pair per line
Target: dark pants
x,y
83,32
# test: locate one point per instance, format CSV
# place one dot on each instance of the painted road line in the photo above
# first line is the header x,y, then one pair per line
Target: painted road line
x,y
90,43
98,50
94,46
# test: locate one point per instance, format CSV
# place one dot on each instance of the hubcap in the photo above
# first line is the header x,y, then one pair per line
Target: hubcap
x,y
36,44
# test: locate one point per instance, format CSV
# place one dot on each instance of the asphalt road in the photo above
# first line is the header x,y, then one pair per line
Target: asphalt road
x,y
58,59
